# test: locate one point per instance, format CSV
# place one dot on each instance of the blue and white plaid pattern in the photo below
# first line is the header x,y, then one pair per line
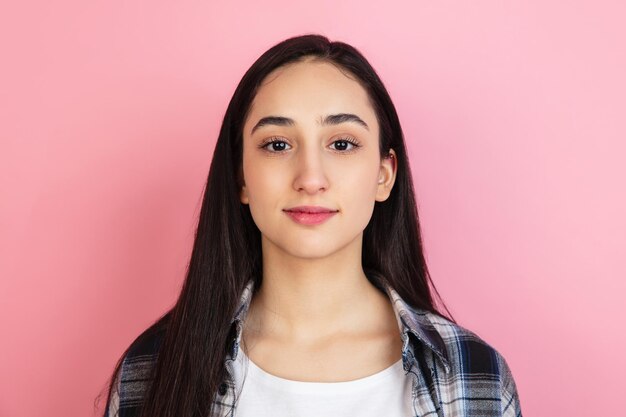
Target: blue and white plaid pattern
x,y
454,372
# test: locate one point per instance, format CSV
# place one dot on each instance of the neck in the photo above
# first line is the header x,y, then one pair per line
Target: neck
x,y
308,299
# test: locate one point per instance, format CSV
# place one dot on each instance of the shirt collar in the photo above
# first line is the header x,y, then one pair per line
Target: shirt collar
x,y
417,321
410,320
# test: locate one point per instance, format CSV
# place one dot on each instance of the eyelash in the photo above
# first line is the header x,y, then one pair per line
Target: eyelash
x,y
276,139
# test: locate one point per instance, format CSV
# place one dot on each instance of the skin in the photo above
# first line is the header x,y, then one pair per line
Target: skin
x,y
316,316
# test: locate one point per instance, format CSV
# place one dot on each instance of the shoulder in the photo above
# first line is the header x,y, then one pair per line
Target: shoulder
x,y
147,344
141,356
477,363
142,353
466,351
136,370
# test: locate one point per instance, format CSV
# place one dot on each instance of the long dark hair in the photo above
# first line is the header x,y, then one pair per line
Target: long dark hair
x,y
227,245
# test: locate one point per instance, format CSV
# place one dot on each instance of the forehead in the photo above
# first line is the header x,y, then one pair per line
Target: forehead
x,y
308,89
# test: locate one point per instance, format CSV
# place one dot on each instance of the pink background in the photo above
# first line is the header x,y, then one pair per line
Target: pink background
x,y
514,118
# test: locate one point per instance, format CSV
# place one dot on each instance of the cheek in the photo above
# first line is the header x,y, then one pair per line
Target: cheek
x,y
358,195
361,180
264,189
260,202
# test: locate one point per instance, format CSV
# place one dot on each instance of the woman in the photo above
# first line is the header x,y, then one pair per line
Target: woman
x,y
307,292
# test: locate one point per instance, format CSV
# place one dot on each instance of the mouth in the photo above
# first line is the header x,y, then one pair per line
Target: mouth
x,y
309,215
310,209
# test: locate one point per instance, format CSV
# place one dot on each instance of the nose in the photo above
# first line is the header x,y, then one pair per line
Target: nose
x,y
310,172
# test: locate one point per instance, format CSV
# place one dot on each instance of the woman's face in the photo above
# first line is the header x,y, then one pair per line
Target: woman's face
x,y
318,158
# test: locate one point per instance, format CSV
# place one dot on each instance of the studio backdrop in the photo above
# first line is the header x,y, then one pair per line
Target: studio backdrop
x,y
513,113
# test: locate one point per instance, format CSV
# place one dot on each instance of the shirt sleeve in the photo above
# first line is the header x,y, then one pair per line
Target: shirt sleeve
x,y
510,398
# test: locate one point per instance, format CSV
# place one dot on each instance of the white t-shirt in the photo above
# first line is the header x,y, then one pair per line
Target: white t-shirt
x,y
386,393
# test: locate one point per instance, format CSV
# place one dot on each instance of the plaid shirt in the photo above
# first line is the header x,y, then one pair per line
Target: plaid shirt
x,y
454,372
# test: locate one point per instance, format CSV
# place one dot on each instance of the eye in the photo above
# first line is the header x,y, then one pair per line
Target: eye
x,y
277,145
347,141
280,145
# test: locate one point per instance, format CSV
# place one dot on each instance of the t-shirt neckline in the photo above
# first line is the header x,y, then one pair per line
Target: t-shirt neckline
x,y
262,377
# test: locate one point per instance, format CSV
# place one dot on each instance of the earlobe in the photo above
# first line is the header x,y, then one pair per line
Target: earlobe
x,y
243,195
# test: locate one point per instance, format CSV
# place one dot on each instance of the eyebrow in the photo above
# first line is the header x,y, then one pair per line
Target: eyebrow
x,y
331,119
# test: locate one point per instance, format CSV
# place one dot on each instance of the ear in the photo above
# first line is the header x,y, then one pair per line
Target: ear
x,y
387,176
243,192
243,195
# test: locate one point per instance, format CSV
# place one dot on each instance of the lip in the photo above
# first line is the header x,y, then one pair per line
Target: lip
x,y
310,215
311,209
